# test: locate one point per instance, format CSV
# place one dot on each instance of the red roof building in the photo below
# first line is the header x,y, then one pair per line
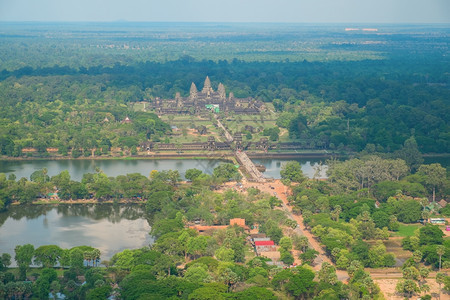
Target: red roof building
x,y
264,243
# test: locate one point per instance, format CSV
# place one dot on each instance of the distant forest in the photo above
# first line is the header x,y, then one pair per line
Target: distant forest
x,y
374,93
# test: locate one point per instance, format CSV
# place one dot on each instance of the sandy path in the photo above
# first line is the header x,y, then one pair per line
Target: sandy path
x,y
385,278
279,190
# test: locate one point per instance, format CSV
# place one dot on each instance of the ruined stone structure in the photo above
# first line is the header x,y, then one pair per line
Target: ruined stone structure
x,y
211,145
238,140
197,101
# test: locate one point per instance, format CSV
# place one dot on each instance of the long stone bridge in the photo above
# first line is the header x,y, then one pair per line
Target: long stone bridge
x,y
249,166
243,158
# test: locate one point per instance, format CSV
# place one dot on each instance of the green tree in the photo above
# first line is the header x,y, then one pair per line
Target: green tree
x,y
197,245
43,282
336,212
435,176
327,274
410,154
99,293
440,279
410,211
192,174
286,243
23,257
430,234
254,292
292,172
47,255
308,256
229,277
298,282
300,243
197,273
376,255
5,261
225,172
440,250
212,291
225,254
407,287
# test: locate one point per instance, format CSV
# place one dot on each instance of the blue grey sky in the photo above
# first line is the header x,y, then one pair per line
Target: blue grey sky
x,y
296,11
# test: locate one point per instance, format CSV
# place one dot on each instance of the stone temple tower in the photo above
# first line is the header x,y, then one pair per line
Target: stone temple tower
x,y
221,91
193,92
207,89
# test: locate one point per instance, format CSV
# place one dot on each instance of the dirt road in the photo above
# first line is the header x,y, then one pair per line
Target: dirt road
x,y
279,190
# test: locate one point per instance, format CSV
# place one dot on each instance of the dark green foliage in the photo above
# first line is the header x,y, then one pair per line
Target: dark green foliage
x,y
385,189
44,281
99,293
410,211
156,201
287,258
23,256
272,133
297,282
225,172
164,226
431,235
298,127
381,219
192,174
309,256
93,275
361,250
445,211
5,261
410,153
254,293
210,291
136,284
292,172
47,255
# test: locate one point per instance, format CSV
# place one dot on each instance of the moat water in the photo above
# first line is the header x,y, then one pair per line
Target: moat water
x,y
115,167
110,228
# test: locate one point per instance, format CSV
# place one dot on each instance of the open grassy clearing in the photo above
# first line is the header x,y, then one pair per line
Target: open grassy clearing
x,y
407,230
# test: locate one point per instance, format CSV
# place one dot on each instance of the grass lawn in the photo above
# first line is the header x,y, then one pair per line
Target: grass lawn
x,y
407,230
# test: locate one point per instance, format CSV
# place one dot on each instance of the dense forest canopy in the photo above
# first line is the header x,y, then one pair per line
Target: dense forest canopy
x,y
348,90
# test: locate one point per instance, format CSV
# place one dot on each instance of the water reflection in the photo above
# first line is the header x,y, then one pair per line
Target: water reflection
x,y
309,166
110,228
114,168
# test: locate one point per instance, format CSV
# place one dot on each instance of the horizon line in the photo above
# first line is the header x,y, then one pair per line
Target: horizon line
x,y
221,22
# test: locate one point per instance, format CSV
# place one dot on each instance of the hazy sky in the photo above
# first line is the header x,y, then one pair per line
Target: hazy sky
x,y
309,11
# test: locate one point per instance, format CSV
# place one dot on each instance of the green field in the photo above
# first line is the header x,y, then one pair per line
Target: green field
x,y
407,230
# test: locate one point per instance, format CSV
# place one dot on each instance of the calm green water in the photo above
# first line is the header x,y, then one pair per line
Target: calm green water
x,y
110,228
111,167
309,166
114,168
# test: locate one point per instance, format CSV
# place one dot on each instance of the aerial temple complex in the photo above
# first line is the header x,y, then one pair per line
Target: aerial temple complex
x,y
207,100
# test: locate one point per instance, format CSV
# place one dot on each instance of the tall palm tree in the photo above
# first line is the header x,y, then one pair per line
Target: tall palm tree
x,y
440,250
440,278
87,255
96,255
